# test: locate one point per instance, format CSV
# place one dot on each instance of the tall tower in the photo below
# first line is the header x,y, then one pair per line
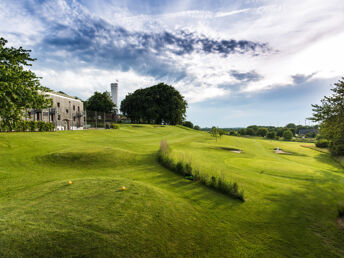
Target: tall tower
x,y
114,94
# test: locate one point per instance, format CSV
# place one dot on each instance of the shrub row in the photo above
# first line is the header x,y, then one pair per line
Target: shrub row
x,y
27,126
185,169
322,143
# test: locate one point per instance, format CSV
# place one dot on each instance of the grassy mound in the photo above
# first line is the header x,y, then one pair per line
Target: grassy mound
x,y
85,158
94,214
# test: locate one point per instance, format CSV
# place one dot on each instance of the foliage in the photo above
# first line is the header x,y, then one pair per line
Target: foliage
x,y
158,104
330,113
271,135
215,132
100,102
188,124
196,127
185,169
250,131
287,135
262,132
19,88
322,143
31,126
115,126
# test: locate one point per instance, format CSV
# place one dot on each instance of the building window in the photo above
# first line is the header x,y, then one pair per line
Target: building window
x,y
58,104
38,116
73,108
74,118
67,111
59,117
78,109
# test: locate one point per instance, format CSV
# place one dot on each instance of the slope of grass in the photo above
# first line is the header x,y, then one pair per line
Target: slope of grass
x,y
290,209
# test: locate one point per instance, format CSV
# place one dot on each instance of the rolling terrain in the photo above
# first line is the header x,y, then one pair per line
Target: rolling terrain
x,y
290,208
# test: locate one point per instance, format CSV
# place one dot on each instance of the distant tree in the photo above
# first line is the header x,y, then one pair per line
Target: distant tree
x,y
20,89
262,132
100,102
254,129
271,135
188,124
196,127
287,135
331,116
242,131
233,133
280,131
291,126
249,131
158,104
222,132
215,132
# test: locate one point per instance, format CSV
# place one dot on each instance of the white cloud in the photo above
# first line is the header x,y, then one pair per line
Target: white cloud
x,y
307,38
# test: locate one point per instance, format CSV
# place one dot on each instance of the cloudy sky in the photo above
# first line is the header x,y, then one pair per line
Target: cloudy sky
x,y
237,62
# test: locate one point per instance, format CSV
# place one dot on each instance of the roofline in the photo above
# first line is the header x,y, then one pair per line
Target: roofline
x,y
61,96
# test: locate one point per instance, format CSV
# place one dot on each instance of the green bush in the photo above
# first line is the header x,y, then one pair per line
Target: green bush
x,y
185,169
271,135
32,126
322,143
287,135
115,126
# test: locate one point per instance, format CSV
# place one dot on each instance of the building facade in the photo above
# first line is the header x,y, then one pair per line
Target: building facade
x,y
67,113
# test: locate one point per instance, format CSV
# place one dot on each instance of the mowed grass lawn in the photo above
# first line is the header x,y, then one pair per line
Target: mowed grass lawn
x,y
290,208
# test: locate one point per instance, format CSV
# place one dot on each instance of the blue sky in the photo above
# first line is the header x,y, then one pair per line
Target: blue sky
x,y
237,63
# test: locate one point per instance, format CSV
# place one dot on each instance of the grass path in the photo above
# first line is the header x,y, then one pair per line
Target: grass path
x,y
290,209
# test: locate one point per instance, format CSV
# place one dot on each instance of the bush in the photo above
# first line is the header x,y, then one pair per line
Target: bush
x,y
337,149
322,143
185,169
271,135
287,135
115,126
188,124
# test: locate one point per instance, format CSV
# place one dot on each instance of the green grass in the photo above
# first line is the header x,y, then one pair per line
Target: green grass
x,y
291,205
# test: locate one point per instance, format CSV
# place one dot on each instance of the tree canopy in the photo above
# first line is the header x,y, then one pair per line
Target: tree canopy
x,y
19,88
330,113
100,102
157,104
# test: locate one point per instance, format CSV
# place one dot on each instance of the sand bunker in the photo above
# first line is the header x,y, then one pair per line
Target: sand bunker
x,y
279,151
229,149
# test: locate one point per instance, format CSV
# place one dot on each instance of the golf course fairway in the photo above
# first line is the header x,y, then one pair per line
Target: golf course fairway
x,y
290,207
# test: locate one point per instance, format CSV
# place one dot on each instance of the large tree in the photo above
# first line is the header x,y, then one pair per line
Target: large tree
x,y
158,104
100,102
330,113
20,88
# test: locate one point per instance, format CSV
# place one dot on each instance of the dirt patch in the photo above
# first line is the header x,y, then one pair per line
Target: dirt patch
x,y
340,222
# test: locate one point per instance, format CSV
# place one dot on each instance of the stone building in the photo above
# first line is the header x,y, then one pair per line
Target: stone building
x,y
67,113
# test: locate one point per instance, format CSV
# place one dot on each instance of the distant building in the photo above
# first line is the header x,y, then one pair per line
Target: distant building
x,y
306,131
114,95
67,113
